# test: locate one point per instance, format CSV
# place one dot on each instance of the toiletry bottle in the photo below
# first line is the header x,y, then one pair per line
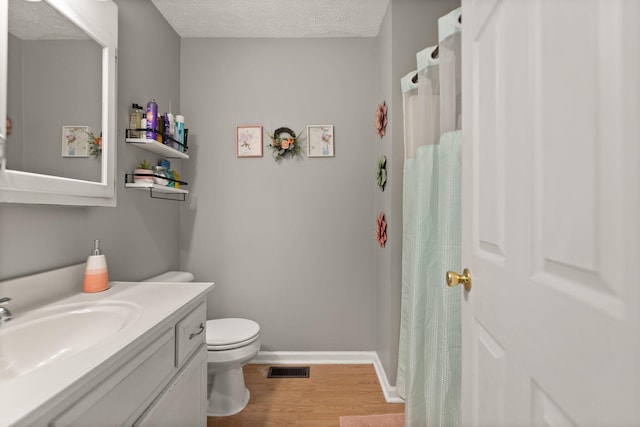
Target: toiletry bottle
x,y
143,125
141,115
165,163
159,128
165,130
96,277
176,176
180,132
134,120
170,125
152,119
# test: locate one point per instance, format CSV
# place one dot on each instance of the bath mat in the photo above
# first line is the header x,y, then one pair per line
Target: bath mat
x,y
382,420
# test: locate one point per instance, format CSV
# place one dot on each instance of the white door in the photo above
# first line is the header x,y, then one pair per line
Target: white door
x,y
551,206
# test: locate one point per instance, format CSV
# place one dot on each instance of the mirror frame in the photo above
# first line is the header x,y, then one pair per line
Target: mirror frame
x,y
99,19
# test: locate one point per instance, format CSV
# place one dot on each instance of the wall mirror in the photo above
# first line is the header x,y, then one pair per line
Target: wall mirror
x,y
59,68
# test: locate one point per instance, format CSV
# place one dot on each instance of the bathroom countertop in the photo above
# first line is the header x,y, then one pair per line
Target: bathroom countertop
x,y
27,397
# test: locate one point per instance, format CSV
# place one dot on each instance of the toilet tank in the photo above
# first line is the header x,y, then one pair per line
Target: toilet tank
x,y
172,276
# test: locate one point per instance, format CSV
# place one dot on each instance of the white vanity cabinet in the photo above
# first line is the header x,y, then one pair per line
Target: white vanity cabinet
x,y
161,381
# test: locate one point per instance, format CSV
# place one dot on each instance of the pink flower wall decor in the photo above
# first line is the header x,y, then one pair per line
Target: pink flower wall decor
x,y
381,230
381,119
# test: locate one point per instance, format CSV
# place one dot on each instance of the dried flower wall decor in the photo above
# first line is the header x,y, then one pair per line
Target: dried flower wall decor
x,y
381,230
95,145
284,141
381,119
381,172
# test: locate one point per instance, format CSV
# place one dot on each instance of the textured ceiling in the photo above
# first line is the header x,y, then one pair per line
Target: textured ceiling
x,y
38,21
274,18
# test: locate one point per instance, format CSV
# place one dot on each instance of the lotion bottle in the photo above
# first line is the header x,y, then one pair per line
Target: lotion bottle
x,y
96,277
180,132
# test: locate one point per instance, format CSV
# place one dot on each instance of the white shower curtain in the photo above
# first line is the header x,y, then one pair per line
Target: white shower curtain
x,y
429,355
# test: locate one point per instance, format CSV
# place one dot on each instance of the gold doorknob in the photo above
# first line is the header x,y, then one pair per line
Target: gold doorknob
x,y
454,279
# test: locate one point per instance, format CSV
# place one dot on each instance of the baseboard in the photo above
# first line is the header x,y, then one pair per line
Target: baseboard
x,y
332,358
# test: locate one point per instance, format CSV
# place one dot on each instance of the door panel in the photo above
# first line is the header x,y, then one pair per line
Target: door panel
x,y
569,93
547,413
490,169
490,365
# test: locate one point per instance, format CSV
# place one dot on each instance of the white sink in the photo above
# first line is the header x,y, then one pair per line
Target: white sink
x,y
43,336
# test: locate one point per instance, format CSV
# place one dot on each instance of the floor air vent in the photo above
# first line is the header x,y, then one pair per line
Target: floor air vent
x,y
288,372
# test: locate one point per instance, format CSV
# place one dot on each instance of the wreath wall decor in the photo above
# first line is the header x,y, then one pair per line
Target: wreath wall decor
x,y
381,119
284,141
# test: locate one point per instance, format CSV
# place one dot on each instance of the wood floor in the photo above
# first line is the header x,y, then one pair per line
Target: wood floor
x,y
329,392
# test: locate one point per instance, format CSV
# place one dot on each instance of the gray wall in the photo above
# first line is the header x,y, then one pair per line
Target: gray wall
x,y
290,244
387,284
408,27
140,235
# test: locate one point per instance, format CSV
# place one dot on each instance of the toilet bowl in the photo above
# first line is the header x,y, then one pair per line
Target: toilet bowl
x,y
231,344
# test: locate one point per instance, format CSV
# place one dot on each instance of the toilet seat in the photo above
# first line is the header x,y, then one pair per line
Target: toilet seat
x,y
227,334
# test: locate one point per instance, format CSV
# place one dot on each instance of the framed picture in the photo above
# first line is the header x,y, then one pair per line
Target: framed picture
x,y
75,141
249,141
320,141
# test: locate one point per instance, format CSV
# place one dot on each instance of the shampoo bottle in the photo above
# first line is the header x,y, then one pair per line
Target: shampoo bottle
x,y
96,277
152,119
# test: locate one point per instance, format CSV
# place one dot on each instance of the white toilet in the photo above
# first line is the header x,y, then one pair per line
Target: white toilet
x,y
231,344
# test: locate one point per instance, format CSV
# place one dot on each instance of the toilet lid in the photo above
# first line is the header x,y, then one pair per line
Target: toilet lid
x,y
226,332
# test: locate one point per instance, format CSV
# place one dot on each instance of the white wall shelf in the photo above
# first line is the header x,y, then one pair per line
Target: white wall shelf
x,y
157,148
155,187
157,191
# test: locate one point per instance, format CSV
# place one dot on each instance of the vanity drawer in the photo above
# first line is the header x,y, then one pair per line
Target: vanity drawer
x,y
190,333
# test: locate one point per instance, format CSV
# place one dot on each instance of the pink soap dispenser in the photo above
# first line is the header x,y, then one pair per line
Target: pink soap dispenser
x,y
96,278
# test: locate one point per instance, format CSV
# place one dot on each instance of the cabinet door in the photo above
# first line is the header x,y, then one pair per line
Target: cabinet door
x,y
127,391
184,403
